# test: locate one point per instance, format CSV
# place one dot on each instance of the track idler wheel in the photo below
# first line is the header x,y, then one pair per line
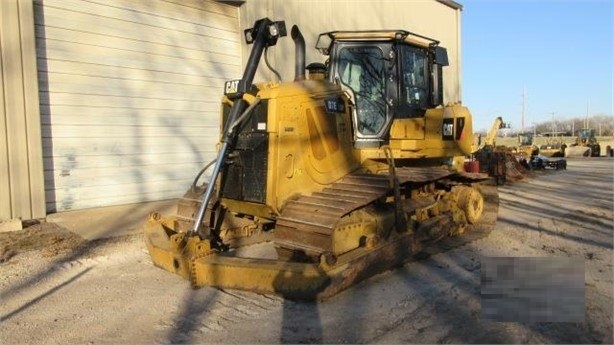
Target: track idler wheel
x,y
470,200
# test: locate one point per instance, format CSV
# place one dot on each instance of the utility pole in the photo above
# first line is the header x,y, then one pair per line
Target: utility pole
x,y
524,95
553,125
586,118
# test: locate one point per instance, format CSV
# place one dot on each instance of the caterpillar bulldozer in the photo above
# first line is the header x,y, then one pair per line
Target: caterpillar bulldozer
x,y
328,179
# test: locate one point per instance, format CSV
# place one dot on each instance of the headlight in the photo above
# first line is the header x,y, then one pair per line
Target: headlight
x,y
273,30
249,38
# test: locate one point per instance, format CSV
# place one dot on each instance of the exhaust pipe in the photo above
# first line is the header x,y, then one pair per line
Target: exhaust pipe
x,y
299,43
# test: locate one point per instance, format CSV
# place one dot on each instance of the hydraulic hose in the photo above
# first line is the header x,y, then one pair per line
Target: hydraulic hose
x,y
200,173
221,157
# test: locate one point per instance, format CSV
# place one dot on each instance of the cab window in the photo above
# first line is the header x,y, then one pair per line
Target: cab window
x,y
362,70
413,100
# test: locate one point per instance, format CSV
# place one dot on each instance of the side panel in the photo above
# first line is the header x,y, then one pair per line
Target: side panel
x,y
21,164
309,148
443,132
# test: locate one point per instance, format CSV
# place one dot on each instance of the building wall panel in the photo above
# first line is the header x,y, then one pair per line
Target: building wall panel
x,y
21,169
130,94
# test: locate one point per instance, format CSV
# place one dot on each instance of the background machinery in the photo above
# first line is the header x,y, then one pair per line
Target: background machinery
x,y
554,146
488,142
497,124
325,180
498,162
586,145
526,145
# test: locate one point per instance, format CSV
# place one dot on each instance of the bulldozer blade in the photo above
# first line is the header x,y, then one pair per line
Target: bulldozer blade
x,y
300,281
195,260
577,151
171,250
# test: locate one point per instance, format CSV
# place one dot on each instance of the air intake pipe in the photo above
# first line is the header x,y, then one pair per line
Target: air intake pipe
x,y
299,43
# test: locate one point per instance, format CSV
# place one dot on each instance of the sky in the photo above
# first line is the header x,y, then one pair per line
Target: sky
x,y
558,53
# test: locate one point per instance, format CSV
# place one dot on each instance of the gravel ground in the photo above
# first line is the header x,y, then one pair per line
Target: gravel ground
x,y
57,288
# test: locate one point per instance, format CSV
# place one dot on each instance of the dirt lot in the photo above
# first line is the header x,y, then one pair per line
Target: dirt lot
x,y
58,288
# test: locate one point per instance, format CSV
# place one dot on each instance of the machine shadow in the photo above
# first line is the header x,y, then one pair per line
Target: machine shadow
x,y
44,295
467,324
190,318
301,323
558,234
468,327
81,251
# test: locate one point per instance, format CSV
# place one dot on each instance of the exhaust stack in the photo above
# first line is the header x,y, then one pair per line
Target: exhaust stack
x,y
299,42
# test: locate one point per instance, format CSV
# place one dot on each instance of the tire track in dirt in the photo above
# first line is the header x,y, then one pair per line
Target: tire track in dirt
x,y
225,311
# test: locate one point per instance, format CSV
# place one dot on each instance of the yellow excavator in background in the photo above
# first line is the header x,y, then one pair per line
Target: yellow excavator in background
x,y
498,124
488,142
333,177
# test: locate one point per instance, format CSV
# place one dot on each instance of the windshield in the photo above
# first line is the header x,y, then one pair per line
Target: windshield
x,y
362,70
525,139
586,133
414,82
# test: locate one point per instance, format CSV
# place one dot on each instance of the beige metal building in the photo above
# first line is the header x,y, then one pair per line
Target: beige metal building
x,y
109,102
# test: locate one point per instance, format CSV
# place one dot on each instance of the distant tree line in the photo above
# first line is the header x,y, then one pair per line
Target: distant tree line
x,y
603,125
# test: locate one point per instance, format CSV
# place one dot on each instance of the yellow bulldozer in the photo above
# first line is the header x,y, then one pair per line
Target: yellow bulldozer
x,y
328,179
526,147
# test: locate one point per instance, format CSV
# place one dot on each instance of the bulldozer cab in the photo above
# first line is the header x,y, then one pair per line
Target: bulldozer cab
x,y
525,139
586,136
387,74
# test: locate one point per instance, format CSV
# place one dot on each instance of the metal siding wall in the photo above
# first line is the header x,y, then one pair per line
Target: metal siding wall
x,y
130,92
5,186
21,178
428,17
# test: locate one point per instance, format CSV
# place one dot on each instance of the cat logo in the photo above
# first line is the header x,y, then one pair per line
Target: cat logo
x,y
448,129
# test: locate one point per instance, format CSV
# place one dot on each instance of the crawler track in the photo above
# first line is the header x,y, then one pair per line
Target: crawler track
x,y
307,223
475,231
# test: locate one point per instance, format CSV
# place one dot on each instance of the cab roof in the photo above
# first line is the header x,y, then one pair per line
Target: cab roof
x,y
326,39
